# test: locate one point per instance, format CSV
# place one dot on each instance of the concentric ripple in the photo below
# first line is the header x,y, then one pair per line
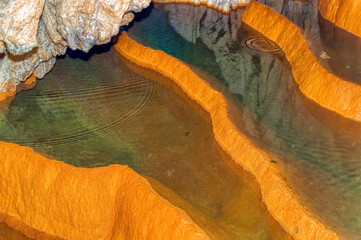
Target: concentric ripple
x,y
99,112
68,117
259,44
120,105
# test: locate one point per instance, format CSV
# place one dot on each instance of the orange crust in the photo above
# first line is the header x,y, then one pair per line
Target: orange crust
x,y
8,96
315,82
203,2
48,199
280,200
10,93
345,14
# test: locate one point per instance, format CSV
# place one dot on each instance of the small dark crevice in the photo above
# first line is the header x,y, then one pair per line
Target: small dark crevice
x,y
21,58
202,18
97,49
220,35
256,61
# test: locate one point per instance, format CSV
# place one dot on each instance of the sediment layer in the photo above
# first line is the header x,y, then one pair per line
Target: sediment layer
x,y
224,6
48,199
278,197
314,81
345,14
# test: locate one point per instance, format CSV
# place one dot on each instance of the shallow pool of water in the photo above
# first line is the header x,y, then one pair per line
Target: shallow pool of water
x,y
92,110
318,151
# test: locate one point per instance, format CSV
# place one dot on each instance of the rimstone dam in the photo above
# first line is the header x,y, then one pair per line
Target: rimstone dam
x,y
180,119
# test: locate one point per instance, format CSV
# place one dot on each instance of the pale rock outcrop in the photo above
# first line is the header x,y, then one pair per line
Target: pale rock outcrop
x,y
225,5
33,33
221,5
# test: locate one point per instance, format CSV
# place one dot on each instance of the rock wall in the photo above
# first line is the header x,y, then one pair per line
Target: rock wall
x,y
33,33
226,37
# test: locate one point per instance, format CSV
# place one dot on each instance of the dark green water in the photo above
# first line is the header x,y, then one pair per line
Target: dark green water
x,y
319,152
92,110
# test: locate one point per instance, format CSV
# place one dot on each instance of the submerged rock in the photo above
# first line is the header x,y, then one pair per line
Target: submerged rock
x,y
33,33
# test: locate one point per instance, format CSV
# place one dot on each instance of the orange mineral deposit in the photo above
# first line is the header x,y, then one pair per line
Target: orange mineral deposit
x,y
345,14
278,197
314,81
48,199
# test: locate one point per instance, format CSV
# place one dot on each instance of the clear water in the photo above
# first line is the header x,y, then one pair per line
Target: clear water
x,y
318,151
92,110
344,50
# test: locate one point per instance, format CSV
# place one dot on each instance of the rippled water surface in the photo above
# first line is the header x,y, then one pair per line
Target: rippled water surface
x,y
318,151
92,110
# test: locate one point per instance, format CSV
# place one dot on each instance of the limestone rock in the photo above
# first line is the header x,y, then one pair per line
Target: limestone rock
x,y
33,33
221,5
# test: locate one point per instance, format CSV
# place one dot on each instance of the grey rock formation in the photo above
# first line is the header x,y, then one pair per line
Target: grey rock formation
x,y
225,5
33,33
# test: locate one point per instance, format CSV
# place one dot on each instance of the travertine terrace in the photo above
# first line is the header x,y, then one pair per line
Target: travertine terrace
x,y
80,203
278,197
315,82
345,14
48,199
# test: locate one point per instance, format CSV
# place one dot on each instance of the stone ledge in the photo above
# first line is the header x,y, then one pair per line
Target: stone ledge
x,y
314,81
278,197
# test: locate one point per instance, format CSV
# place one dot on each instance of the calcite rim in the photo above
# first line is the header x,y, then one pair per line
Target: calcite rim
x,y
279,198
49,199
314,81
337,11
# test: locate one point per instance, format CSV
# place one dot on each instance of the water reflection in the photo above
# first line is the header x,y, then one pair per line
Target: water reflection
x,y
319,153
95,111
343,49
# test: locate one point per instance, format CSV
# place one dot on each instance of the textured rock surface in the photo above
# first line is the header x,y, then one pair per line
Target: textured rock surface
x,y
343,45
314,81
306,138
9,94
221,5
345,14
278,197
33,33
301,13
225,36
47,198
